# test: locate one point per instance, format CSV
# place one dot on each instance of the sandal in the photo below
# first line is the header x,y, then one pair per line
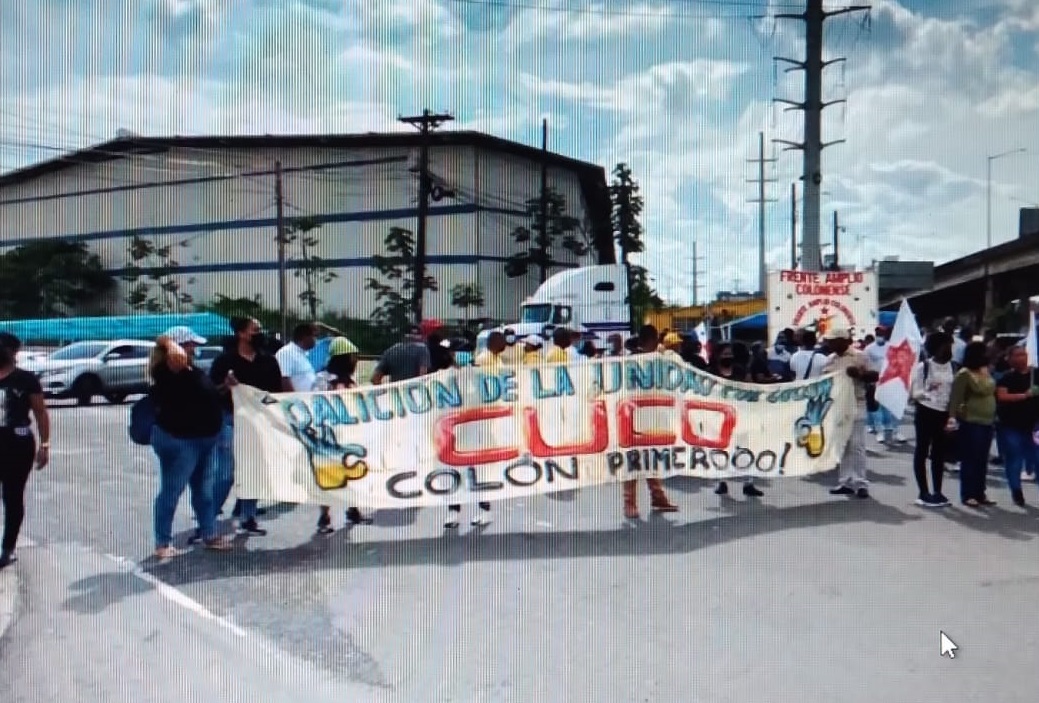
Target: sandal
x,y
972,503
987,502
169,552
219,544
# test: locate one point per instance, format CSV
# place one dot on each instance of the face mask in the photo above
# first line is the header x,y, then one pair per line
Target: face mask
x,y
510,340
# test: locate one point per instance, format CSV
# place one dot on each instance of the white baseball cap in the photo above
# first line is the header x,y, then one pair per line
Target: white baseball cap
x,y
533,340
184,335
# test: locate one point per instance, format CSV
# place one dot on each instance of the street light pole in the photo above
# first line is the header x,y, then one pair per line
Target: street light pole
x,y
989,292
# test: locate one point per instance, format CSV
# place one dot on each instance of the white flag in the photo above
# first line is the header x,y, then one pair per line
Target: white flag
x,y
701,334
1031,343
903,352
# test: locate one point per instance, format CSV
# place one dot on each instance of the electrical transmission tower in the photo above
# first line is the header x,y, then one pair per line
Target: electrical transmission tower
x,y
813,105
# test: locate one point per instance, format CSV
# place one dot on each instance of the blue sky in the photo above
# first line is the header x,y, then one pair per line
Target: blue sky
x,y
677,88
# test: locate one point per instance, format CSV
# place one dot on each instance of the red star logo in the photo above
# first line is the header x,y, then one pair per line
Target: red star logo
x,y
900,362
823,311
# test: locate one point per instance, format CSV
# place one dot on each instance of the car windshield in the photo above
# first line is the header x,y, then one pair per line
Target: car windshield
x,y
539,313
79,350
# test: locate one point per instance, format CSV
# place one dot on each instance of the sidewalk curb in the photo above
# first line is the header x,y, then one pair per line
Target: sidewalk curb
x,y
8,599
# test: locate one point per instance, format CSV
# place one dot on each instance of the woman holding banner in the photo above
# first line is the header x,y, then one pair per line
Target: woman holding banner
x,y
342,364
648,339
724,365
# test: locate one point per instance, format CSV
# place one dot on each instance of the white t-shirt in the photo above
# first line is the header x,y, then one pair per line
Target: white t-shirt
x,y
296,367
802,359
877,355
958,347
934,392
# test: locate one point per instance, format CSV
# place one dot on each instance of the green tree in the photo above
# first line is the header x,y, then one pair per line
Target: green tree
x,y
153,274
50,278
396,310
561,230
465,296
312,268
627,203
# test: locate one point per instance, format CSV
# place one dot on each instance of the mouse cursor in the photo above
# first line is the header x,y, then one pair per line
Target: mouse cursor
x,y
948,647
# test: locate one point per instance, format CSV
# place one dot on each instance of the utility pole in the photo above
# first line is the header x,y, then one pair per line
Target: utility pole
x,y
695,277
813,105
793,226
426,122
543,234
283,284
837,229
761,200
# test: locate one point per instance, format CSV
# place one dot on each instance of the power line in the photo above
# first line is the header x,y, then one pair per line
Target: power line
x,y
706,4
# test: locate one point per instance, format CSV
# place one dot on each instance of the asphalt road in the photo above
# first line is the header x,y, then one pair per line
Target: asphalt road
x,y
797,596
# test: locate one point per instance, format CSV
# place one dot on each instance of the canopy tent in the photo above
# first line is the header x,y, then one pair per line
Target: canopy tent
x,y
64,330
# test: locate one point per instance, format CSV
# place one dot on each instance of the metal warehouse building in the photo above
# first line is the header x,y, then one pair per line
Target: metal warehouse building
x,y
213,201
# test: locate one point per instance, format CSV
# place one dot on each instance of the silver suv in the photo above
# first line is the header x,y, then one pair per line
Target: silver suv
x,y
83,370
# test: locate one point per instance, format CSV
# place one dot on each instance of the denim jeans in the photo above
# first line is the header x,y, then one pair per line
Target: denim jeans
x,y
223,474
883,421
975,443
1018,452
183,463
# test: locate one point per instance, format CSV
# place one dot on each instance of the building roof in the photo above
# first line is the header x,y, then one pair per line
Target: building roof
x,y
592,177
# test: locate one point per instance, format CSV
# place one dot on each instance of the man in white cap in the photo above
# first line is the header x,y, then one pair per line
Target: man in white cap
x,y
845,359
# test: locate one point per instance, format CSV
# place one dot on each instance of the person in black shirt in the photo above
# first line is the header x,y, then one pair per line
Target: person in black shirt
x,y
725,364
1017,405
440,355
244,361
187,428
20,397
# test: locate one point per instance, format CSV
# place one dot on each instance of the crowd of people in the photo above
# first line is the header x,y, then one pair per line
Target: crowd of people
x,y
965,392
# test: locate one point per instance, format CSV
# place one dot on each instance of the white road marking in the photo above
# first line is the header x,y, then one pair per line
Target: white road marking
x,y
174,596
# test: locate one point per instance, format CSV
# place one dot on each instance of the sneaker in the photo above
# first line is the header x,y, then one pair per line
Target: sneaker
x,y
195,538
871,430
722,489
924,500
481,519
943,502
250,527
7,558
356,517
324,524
881,439
900,438
933,501
841,491
862,493
1019,497
752,491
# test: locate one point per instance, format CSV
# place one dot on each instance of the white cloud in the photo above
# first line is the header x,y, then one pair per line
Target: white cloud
x,y
676,93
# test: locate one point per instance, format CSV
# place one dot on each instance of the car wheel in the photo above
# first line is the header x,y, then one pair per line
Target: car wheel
x,y
84,389
115,398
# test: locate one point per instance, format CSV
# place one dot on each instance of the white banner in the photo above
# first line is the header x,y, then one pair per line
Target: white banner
x,y
821,301
481,434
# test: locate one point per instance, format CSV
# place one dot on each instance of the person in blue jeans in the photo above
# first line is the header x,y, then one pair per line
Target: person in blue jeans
x,y
972,410
245,361
1017,399
187,428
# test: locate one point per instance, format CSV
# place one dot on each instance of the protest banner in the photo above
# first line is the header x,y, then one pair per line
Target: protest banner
x,y
474,434
823,300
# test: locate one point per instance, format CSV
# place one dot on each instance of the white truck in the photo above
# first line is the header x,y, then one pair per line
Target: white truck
x,y
589,298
